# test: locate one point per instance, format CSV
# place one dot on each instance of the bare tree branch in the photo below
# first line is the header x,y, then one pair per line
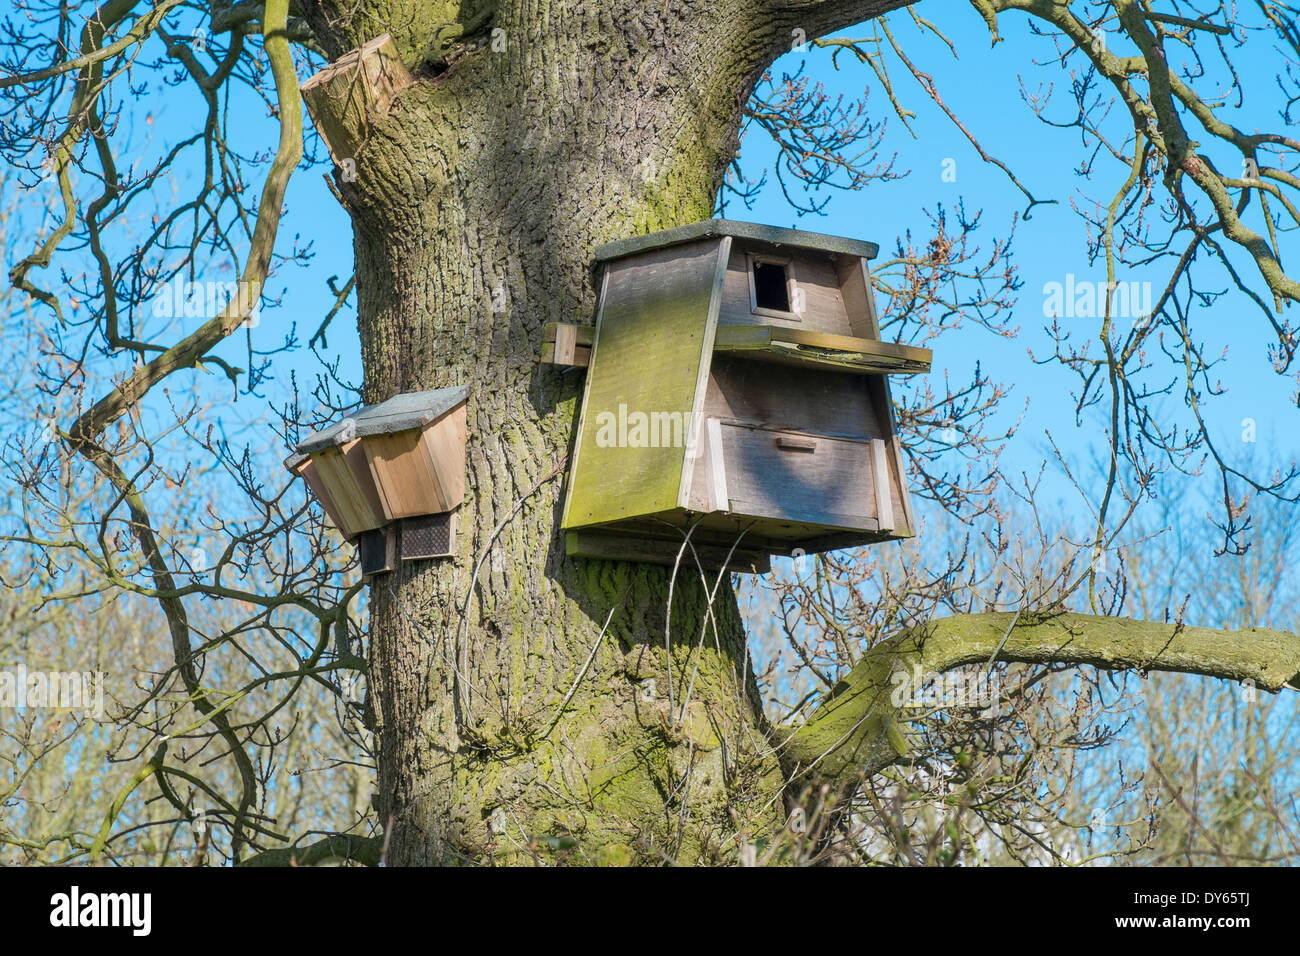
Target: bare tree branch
x,y
856,733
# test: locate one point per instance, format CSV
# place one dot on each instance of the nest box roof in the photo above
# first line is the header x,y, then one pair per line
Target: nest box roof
x,y
712,228
398,414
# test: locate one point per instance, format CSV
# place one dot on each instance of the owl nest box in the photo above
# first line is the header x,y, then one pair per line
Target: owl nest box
x,y
737,385
391,471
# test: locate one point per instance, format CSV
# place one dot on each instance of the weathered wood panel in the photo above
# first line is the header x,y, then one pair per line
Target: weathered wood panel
x,y
798,398
303,466
883,405
859,298
579,357
789,346
567,343
815,276
799,476
654,336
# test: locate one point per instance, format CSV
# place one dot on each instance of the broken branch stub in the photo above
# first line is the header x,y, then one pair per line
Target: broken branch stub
x,y
347,97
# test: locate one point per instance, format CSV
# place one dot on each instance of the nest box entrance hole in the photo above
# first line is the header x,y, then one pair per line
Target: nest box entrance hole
x,y
771,284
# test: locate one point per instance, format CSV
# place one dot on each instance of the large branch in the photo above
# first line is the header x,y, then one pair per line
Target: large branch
x,y
84,433
818,18
191,351
854,732
335,848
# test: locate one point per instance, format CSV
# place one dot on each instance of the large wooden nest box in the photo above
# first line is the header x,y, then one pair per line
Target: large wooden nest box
x,y
737,384
389,471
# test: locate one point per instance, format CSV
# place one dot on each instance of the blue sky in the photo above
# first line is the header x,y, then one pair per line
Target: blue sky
x,y
984,88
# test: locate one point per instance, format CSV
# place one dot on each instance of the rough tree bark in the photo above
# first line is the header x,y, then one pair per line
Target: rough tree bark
x,y
535,130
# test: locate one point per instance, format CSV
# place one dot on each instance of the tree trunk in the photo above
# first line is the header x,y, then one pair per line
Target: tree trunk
x,y
477,205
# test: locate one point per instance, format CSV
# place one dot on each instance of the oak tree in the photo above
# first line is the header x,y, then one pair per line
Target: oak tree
x,y
518,698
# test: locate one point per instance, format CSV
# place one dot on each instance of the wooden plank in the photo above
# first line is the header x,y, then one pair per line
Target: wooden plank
x,y
898,472
756,335
772,236
583,334
859,297
420,471
797,397
580,357
653,335
883,403
698,491
567,343
345,474
696,421
443,443
621,546
825,484
718,499
401,473
306,470
880,485
904,493
804,347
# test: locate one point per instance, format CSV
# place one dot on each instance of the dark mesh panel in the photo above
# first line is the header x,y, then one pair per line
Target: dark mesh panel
x,y
429,536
